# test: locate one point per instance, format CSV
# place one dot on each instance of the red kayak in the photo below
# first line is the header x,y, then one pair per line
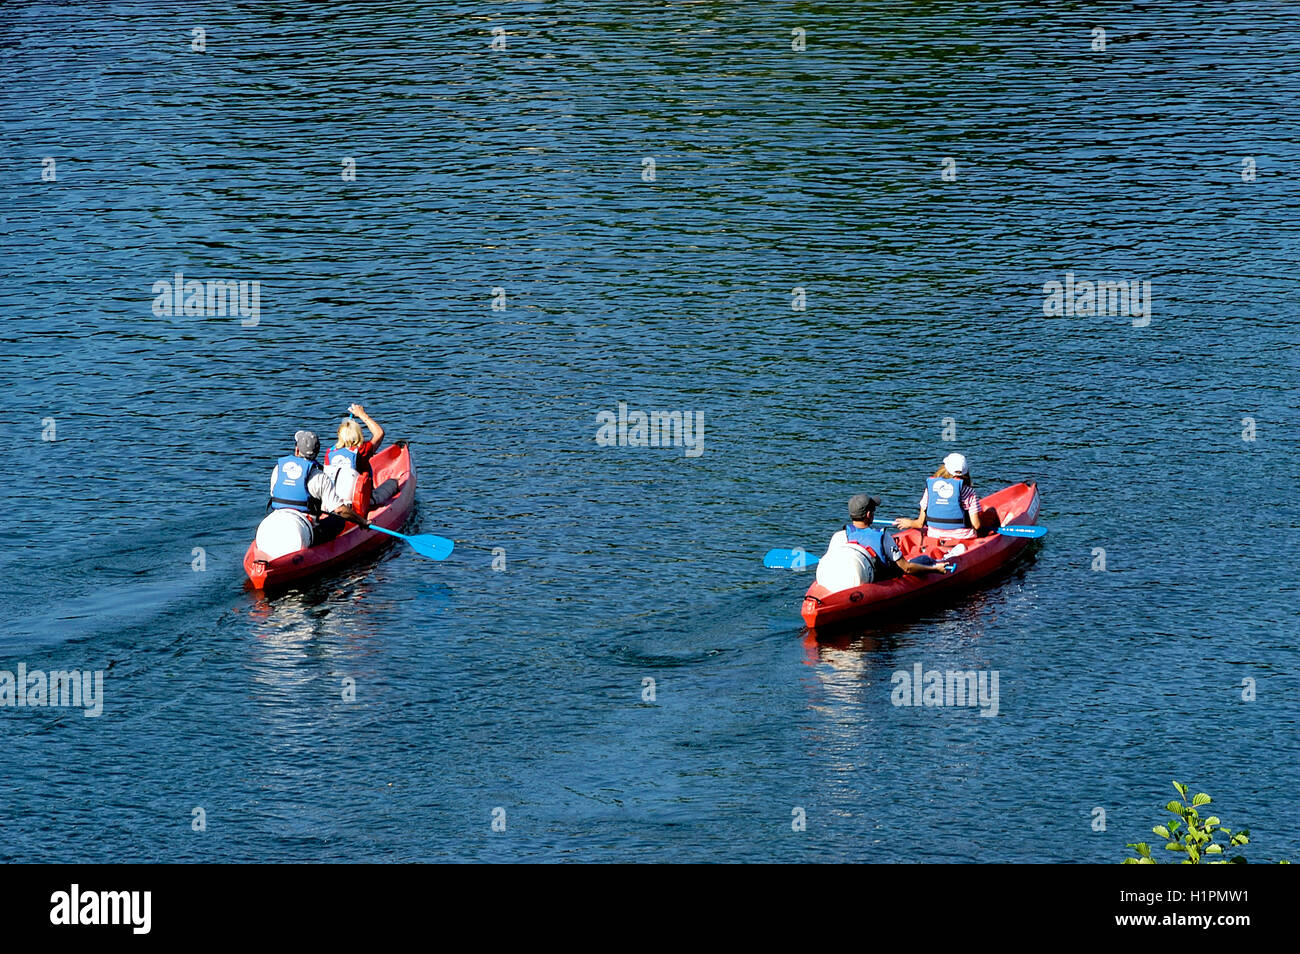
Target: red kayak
x,y
1016,505
394,461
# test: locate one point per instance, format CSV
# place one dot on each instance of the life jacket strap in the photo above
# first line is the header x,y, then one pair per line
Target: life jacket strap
x,y
298,505
945,524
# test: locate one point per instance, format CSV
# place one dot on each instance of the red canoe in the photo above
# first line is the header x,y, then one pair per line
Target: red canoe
x,y
394,461
1015,505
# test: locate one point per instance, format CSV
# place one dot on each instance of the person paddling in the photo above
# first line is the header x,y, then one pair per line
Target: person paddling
x,y
861,553
306,509
950,508
348,463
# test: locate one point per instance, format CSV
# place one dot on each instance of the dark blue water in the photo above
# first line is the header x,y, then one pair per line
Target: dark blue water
x,y
478,689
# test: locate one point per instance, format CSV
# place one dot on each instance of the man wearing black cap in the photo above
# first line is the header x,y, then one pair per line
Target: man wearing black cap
x,y
299,484
861,553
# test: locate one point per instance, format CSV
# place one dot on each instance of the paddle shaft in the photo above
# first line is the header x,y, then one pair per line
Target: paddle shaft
x,y
786,559
1011,530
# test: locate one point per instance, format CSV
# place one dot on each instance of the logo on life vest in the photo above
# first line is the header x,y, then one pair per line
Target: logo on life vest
x,y
943,489
292,470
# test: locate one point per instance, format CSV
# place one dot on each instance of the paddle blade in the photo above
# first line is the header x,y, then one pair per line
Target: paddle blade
x,y
1031,532
427,545
789,559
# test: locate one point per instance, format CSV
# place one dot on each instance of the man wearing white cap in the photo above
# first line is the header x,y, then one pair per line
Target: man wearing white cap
x,y
950,508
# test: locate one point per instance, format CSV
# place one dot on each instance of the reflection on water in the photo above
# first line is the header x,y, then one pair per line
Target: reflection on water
x,y
304,635
970,613
854,669
329,620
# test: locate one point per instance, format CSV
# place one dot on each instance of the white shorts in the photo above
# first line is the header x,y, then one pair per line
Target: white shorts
x,y
963,533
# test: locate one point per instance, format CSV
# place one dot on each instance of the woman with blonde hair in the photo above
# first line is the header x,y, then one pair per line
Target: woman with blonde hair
x,y
348,463
950,508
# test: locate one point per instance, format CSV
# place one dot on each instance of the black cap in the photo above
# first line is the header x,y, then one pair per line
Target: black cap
x,y
860,505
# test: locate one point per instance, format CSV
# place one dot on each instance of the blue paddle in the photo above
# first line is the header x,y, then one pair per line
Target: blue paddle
x,y
1011,531
425,544
789,559
800,559
1032,532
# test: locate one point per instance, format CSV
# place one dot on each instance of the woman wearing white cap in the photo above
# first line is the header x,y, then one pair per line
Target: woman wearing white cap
x,y
950,508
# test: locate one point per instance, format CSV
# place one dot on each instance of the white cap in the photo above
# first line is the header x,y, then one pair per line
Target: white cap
x,y
955,464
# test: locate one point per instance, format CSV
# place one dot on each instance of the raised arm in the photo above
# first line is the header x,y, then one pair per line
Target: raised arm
x,y
376,431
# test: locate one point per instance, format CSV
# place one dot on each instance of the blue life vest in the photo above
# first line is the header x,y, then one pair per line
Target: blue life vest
x,y
945,513
290,492
335,454
872,539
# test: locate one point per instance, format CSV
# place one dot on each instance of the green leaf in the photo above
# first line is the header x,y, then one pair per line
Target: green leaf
x,y
1175,807
1214,850
1200,798
1212,821
1175,825
1173,846
1162,831
1181,789
1130,861
1193,854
